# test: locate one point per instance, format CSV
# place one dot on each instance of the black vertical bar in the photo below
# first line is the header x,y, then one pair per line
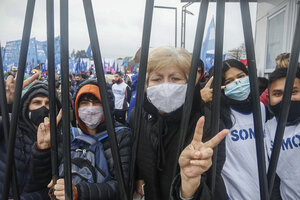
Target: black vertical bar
x,y
285,105
17,96
192,78
175,27
215,117
51,87
258,128
140,88
64,53
5,122
182,26
90,19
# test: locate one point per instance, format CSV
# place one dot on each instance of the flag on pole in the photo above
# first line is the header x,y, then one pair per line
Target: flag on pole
x,y
72,63
125,62
88,52
208,44
78,67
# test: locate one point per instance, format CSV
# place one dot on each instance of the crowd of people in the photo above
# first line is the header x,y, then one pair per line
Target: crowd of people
x,y
93,168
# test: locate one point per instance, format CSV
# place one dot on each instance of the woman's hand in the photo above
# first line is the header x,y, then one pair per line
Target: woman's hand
x,y
206,93
195,159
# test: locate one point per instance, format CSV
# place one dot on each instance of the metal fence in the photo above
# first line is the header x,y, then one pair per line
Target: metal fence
x,y
266,181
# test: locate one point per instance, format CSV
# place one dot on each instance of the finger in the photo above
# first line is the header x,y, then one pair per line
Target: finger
x,y
61,181
30,79
212,143
59,187
9,78
201,163
199,130
223,87
208,84
46,121
42,126
59,116
50,184
204,154
59,194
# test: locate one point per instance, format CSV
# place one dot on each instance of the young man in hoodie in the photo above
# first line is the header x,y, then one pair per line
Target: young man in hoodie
x,y
288,163
34,108
91,123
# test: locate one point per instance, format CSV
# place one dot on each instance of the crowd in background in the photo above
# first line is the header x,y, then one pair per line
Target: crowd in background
x,y
93,170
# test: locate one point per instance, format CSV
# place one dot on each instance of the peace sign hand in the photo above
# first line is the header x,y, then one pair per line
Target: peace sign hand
x,y
195,159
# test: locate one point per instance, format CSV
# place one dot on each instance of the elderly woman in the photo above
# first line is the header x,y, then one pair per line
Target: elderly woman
x,y
166,82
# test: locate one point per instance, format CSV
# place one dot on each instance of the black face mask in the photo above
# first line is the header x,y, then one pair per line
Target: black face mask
x,y
37,116
118,81
294,112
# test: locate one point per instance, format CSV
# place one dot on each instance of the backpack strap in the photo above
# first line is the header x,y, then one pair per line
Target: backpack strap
x,y
79,135
117,129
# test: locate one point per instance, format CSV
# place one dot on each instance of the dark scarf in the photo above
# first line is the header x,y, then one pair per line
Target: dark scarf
x,y
244,106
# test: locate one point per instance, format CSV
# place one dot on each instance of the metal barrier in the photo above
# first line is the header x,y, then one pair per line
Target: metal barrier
x,y
51,88
17,97
266,185
90,19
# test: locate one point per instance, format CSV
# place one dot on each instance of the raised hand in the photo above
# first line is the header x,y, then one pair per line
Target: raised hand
x,y
195,159
10,85
43,132
207,92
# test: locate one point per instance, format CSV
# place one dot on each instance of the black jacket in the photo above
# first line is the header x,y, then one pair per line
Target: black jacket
x,y
29,188
157,148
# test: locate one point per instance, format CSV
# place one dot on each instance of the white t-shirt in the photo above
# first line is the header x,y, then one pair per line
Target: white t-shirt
x,y
119,91
288,168
240,171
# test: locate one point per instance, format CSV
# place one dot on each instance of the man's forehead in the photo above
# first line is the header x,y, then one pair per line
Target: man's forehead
x,y
279,84
40,96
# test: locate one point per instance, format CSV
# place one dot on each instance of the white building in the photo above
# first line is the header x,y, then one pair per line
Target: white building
x,y
275,26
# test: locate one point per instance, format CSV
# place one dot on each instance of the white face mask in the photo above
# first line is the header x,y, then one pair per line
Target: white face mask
x,y
91,115
167,97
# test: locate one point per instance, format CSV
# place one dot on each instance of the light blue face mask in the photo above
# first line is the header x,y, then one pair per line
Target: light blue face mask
x,y
239,89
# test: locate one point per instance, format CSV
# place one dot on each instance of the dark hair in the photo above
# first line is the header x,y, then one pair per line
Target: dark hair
x,y
227,64
280,73
119,73
87,96
225,112
79,75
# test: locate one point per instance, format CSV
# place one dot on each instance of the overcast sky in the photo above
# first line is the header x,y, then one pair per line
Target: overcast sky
x,y
120,24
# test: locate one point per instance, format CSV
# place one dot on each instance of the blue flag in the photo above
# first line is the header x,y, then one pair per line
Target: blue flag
x,y
72,63
208,44
78,67
88,52
125,62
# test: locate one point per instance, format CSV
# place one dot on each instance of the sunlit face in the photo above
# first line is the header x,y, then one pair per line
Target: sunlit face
x,y
232,74
38,102
277,89
166,74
